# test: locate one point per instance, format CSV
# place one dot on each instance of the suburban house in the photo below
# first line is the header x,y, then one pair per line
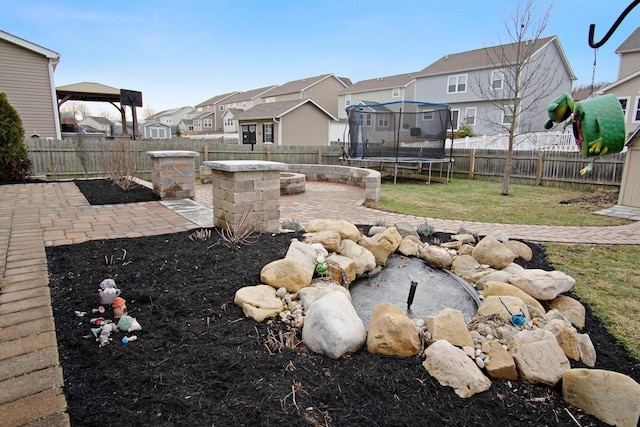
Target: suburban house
x,y
27,78
186,127
322,89
97,124
293,122
627,87
379,90
171,117
203,122
474,82
216,105
241,101
156,130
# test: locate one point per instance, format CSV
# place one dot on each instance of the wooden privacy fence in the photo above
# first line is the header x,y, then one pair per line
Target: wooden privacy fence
x,y
552,168
85,157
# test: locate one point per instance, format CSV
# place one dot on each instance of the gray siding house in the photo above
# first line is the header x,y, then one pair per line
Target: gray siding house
x,y
296,122
216,105
27,77
627,87
461,79
379,90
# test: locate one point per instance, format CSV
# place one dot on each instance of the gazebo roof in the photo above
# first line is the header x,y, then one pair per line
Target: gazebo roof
x,y
88,91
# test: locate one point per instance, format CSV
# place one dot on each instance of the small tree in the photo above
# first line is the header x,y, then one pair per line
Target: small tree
x,y
14,158
525,77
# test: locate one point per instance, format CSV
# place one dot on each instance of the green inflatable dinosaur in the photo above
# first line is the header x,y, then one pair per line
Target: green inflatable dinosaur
x,y
598,124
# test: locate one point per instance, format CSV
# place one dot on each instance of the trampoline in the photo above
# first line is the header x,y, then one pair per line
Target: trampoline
x,y
399,133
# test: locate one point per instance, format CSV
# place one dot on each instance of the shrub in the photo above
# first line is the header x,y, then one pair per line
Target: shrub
x,y
464,130
14,158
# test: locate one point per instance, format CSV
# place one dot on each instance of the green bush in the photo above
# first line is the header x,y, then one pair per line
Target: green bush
x,y
464,130
14,158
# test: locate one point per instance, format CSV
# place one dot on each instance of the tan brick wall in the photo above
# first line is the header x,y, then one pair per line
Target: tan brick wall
x,y
174,178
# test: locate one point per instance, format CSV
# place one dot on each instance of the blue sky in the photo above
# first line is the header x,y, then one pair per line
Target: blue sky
x,y
182,53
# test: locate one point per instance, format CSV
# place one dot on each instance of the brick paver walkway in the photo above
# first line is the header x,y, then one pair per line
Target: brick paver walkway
x,y
33,216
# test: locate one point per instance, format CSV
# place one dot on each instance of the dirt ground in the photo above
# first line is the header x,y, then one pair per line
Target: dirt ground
x,y
199,361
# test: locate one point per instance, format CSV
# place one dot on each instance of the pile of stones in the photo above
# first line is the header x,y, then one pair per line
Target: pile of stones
x,y
525,329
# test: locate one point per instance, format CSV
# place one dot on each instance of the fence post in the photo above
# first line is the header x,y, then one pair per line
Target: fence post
x,y
472,161
539,167
268,153
206,153
319,155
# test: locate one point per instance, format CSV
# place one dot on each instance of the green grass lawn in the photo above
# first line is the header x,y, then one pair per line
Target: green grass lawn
x,y
470,200
607,277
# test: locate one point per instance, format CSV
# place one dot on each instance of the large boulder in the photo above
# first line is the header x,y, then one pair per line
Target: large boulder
x,y
499,363
612,397
504,306
538,357
567,337
495,288
319,289
493,253
451,367
382,244
468,268
303,252
519,249
541,284
496,276
258,302
587,350
392,333
363,258
448,324
436,256
289,273
341,269
346,229
330,239
571,309
410,245
332,327
406,229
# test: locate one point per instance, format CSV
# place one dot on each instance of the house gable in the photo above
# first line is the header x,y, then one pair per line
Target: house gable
x,y
400,87
26,68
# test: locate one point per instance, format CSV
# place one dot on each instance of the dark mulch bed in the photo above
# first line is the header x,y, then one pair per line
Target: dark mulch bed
x,y
106,192
199,361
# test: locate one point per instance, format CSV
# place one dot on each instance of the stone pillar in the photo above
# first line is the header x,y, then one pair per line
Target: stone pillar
x,y
173,174
246,193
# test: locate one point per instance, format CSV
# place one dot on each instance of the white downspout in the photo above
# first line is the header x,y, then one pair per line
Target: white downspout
x,y
54,97
279,123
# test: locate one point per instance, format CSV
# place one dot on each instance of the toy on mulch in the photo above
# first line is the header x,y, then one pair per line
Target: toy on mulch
x,y
103,332
119,306
108,291
128,324
598,124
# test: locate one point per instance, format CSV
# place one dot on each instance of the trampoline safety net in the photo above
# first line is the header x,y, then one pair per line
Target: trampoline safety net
x,y
398,130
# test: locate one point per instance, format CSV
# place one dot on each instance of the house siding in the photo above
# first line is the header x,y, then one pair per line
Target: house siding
x,y
306,125
324,93
376,96
629,64
630,90
24,77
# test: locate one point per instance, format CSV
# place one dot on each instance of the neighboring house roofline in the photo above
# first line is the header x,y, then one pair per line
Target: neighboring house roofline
x,y
277,110
29,45
631,43
300,85
618,82
380,83
216,99
249,95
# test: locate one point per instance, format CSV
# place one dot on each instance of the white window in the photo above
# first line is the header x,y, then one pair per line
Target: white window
x,y
208,123
228,122
197,124
347,100
636,112
470,116
367,119
427,115
154,133
267,129
455,119
457,84
383,120
507,114
270,99
395,92
497,77
624,103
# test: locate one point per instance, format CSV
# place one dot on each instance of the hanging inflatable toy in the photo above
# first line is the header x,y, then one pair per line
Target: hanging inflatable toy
x,y
598,124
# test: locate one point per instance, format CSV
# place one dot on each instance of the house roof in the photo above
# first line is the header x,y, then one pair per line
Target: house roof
x,y
631,44
479,59
275,110
29,45
156,124
232,111
216,99
186,121
101,120
170,112
203,114
301,85
389,82
248,95
618,82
